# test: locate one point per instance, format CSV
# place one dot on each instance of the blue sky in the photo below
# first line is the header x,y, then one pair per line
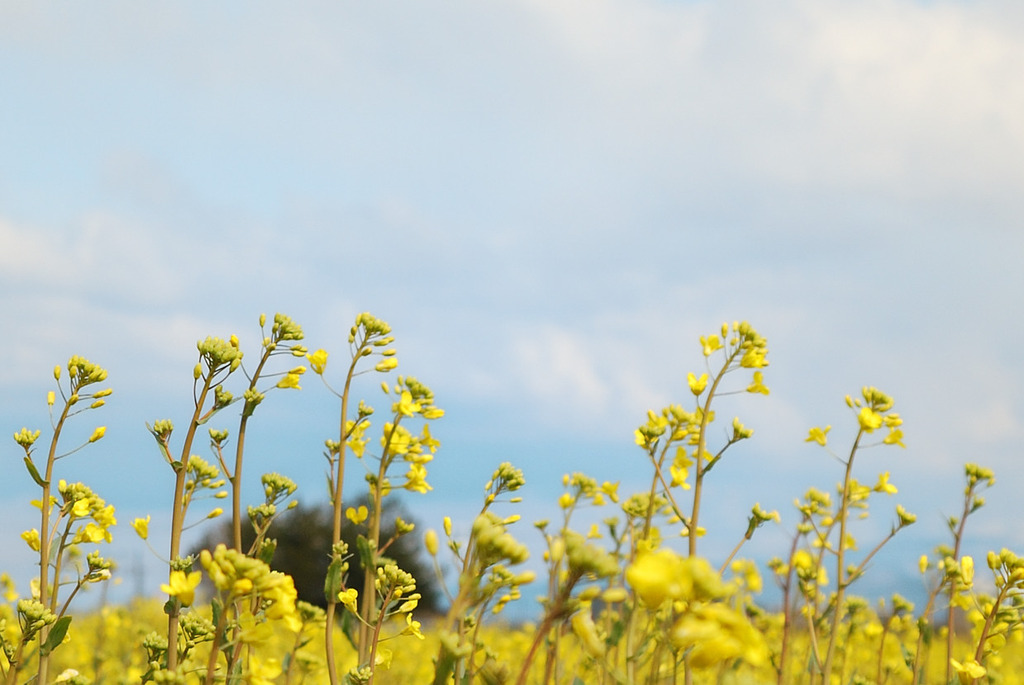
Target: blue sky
x,y
549,202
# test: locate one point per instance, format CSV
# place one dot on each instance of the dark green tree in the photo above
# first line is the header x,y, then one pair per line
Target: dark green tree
x,y
303,550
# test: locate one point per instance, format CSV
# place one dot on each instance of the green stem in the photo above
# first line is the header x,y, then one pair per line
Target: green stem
x,y
787,612
375,639
211,663
837,614
235,478
958,537
45,542
178,515
368,609
336,501
545,627
700,470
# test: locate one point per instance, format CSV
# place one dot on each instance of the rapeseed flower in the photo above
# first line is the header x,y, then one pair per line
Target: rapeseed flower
x,y
182,586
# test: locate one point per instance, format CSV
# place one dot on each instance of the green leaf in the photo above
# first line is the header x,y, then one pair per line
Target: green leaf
x,y
216,609
366,553
35,473
56,636
335,579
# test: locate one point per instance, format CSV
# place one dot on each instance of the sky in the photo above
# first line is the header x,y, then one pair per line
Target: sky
x,y
549,201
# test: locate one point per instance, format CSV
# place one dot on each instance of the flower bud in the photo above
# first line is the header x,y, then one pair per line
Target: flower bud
x,y
614,594
430,540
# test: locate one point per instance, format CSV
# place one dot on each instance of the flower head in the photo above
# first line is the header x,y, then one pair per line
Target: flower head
x,y
182,586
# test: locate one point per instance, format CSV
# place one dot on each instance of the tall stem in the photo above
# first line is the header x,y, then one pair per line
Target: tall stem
x,y
336,501
236,476
45,543
701,468
837,610
369,604
178,516
787,613
953,589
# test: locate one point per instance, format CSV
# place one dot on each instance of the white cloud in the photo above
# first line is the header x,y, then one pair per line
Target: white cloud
x,y
993,422
556,368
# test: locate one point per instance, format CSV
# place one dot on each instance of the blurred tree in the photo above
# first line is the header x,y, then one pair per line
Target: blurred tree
x,y
303,536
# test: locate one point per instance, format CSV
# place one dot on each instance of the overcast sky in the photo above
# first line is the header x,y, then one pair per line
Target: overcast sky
x,y
549,201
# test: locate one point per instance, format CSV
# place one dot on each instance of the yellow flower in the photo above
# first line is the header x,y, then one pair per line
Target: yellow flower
x,y
92,533
348,598
98,433
715,633
428,440
884,485
869,419
697,385
182,586
318,361
32,538
80,508
895,437
141,526
922,563
739,431
906,518
758,385
679,476
655,577
412,627
709,344
416,479
753,358
51,398
290,381
357,516
968,671
818,435
405,406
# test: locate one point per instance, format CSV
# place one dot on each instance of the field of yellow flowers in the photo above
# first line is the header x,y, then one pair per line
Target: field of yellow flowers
x,y
620,603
